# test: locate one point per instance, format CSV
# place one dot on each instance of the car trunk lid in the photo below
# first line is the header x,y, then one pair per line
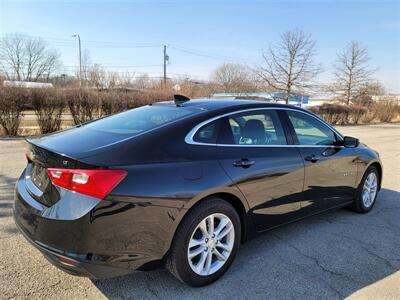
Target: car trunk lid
x,y
37,181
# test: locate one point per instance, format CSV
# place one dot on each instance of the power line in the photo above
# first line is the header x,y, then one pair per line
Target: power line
x,y
207,54
161,73
57,41
127,44
85,45
113,66
90,43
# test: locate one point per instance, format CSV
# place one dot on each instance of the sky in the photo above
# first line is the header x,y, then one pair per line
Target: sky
x,y
128,36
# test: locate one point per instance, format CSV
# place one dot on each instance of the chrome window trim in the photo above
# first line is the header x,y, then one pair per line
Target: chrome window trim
x,y
189,137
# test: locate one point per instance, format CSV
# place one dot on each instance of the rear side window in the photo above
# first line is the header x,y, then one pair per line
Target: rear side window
x,y
207,134
138,120
253,128
310,131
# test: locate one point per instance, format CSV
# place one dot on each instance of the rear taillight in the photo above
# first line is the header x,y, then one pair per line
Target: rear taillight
x,y
94,183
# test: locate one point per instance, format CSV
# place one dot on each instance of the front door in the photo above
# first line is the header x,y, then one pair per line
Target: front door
x,y
252,149
330,168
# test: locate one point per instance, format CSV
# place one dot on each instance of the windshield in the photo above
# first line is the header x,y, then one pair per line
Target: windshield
x,y
138,120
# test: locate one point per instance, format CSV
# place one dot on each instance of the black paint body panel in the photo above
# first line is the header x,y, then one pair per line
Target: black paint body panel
x,y
133,227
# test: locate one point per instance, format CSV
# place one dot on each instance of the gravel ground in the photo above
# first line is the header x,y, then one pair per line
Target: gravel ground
x,y
335,255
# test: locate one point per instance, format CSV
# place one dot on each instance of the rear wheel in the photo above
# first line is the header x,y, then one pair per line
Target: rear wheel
x,y
367,191
205,243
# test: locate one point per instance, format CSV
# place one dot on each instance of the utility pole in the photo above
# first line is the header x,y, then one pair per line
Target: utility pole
x,y
166,58
80,58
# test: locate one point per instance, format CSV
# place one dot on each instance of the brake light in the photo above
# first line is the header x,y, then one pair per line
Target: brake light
x,y
94,183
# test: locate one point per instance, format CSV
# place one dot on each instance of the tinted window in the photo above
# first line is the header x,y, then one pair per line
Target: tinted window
x,y
138,120
310,131
207,134
254,128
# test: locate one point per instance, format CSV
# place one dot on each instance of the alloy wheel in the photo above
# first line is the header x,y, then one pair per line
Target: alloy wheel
x,y
370,189
211,244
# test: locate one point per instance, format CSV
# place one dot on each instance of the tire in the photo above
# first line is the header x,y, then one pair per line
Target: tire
x,y
190,229
360,205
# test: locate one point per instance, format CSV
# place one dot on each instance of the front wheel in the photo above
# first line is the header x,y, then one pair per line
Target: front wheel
x,y
367,191
205,243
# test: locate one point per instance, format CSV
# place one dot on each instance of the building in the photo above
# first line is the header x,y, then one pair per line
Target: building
x,y
27,84
273,97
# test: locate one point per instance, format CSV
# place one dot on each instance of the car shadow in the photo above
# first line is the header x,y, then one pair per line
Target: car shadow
x,y
6,195
331,255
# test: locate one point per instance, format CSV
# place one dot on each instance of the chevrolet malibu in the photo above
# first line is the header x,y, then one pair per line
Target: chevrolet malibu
x,y
183,183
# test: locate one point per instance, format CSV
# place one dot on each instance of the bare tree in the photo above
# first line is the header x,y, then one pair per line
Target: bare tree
x,y
373,88
27,58
113,80
97,77
352,71
126,79
289,64
143,81
233,78
12,56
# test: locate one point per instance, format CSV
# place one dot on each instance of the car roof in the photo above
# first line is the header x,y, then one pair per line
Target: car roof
x,y
210,104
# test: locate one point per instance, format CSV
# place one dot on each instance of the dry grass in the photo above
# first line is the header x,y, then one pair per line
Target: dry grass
x,y
369,113
27,112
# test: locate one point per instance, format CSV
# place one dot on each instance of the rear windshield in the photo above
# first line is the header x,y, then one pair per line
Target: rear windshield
x,y
138,120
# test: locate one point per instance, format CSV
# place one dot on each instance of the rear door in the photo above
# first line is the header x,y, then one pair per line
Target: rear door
x,y
330,168
253,150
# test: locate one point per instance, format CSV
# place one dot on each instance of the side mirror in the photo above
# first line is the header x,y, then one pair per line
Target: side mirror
x,y
350,142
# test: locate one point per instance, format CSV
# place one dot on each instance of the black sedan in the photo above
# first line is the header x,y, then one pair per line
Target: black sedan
x,y
182,184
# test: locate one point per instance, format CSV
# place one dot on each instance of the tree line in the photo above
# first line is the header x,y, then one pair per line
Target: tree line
x,y
289,67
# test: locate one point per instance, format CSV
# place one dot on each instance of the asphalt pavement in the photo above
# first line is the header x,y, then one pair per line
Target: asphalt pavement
x,y
330,256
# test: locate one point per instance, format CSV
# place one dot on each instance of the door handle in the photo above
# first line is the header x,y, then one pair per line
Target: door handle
x,y
244,163
312,158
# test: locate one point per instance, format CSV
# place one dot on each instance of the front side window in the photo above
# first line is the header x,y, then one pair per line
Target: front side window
x,y
310,131
253,128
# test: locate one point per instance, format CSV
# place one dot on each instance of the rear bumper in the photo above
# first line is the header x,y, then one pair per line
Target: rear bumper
x,y
107,239
75,264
